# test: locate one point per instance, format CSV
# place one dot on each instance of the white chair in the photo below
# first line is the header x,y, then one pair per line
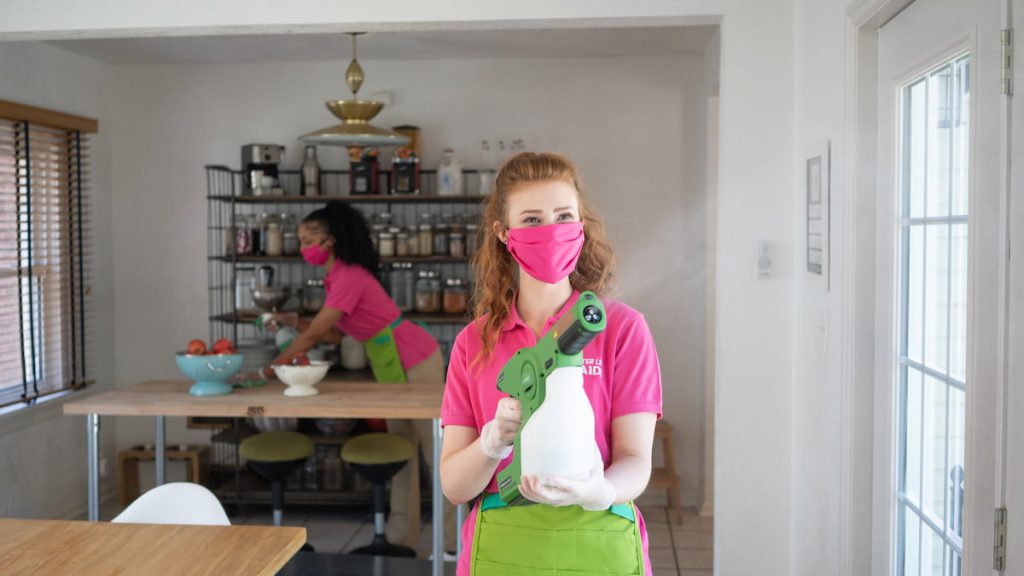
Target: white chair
x,y
175,503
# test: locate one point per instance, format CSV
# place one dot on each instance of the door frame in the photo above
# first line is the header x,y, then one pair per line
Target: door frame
x,y
866,418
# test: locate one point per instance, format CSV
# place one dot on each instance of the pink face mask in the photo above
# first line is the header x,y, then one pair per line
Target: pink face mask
x,y
547,253
316,255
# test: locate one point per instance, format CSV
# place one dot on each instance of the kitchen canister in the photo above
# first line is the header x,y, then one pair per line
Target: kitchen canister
x,y
353,354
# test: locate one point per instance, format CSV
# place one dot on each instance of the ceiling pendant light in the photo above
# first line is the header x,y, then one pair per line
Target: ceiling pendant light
x,y
355,129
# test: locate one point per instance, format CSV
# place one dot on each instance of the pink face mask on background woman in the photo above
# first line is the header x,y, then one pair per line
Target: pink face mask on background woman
x,y
547,253
315,255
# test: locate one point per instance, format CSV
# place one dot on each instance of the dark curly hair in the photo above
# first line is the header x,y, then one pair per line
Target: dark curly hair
x,y
347,226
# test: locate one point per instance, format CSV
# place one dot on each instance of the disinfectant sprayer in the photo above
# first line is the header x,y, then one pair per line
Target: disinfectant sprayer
x,y
556,435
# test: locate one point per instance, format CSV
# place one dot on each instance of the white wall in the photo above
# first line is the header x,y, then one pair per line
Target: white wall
x,y
754,409
42,452
174,119
816,313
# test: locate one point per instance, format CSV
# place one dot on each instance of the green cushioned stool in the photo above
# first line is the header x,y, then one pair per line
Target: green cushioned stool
x,y
379,457
274,455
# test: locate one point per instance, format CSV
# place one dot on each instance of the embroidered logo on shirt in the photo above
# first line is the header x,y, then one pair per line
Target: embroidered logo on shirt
x,y
592,367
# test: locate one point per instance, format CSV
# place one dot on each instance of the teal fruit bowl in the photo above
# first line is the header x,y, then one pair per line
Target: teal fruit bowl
x,y
210,372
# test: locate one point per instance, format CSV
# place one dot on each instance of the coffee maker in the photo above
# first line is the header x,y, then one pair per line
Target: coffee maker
x,y
259,169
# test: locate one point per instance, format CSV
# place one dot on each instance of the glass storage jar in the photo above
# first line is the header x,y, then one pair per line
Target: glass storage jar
x,y
472,238
313,295
255,241
274,239
456,296
375,231
457,242
403,286
413,248
428,292
426,239
441,230
291,243
386,245
242,243
402,244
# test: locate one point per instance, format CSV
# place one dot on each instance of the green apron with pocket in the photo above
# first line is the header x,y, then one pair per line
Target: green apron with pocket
x,y
382,353
537,539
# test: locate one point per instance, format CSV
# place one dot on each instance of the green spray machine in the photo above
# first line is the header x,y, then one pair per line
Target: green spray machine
x,y
525,375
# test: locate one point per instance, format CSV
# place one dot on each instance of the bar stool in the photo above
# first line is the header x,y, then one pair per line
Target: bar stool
x,y
274,455
666,476
379,456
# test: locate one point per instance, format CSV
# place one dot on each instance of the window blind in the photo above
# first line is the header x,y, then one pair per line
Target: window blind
x,y
45,261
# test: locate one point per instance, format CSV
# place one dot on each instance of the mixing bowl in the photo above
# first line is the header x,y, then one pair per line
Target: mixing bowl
x,y
270,298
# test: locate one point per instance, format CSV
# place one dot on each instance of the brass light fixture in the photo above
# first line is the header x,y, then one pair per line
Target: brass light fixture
x,y
355,129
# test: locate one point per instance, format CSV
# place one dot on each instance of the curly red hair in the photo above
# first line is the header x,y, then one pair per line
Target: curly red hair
x,y
493,266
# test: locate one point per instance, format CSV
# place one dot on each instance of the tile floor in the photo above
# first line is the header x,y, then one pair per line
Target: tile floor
x,y
676,550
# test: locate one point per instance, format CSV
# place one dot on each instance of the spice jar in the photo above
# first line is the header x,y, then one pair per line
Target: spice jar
x,y
472,238
441,230
313,295
386,245
456,296
428,292
403,286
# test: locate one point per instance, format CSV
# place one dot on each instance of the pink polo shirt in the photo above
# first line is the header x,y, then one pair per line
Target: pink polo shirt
x,y
366,309
621,376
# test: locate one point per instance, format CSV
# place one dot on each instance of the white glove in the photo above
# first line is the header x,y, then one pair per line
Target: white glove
x,y
594,493
497,436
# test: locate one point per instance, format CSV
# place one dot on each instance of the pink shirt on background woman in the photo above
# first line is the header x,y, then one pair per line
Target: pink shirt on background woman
x,y
621,376
367,309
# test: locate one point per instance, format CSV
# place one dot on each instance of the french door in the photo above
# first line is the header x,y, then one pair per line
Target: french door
x,y
942,283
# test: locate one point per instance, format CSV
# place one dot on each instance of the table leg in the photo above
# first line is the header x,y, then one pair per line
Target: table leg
x,y
438,514
92,422
161,456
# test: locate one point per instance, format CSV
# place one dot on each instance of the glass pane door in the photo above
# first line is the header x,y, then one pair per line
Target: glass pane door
x,y
932,295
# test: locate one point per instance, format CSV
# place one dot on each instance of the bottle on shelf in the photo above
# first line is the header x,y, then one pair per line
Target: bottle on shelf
x,y
310,173
449,175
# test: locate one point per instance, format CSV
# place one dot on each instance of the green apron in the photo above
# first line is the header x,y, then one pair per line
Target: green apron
x,y
537,539
382,352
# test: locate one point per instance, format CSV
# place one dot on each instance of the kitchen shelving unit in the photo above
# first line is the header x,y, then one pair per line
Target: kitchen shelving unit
x,y
225,201
232,483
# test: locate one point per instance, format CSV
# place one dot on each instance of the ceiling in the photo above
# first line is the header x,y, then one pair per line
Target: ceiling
x,y
404,45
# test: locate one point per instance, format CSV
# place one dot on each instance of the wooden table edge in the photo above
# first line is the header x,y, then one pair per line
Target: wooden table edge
x,y
293,548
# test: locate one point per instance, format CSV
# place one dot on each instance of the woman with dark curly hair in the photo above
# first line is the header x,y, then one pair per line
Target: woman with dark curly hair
x,y
337,238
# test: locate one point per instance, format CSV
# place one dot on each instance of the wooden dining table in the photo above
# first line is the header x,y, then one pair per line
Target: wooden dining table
x,y
339,397
58,547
